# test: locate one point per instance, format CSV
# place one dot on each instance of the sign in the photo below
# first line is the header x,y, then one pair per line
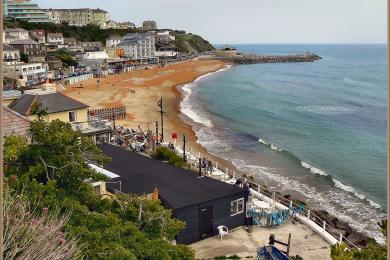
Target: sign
x,y
174,135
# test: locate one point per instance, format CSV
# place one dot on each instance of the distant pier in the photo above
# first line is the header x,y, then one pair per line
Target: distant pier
x,y
255,59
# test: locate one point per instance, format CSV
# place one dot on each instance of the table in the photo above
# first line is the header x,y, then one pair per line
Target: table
x,y
261,204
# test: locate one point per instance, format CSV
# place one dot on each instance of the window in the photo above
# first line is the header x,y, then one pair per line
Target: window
x,y
236,206
72,116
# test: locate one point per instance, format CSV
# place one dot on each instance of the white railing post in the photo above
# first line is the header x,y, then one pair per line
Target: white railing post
x,y
234,175
308,214
341,238
291,203
227,171
273,196
216,166
323,226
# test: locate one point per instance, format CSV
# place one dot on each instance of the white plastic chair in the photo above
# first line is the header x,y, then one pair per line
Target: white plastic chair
x,y
223,231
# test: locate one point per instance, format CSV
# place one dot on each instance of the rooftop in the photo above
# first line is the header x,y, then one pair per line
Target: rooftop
x,y
20,42
55,35
77,10
53,102
7,47
15,30
177,187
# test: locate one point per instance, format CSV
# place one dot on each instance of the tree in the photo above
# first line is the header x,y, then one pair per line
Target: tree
x,y
52,173
24,57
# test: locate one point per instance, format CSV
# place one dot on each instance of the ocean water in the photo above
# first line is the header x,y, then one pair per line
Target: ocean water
x,y
316,130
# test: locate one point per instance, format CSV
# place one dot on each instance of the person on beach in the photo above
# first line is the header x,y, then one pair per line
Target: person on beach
x,y
210,166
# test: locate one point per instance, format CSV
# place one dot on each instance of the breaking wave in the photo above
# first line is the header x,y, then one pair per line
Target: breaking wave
x,y
186,107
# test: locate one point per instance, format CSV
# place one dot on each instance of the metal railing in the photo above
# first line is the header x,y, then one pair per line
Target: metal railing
x,y
270,194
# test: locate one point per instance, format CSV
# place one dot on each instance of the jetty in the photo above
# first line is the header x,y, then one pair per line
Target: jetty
x,y
230,54
255,59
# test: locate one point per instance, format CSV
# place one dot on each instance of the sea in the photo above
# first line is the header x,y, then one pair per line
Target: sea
x,y
316,130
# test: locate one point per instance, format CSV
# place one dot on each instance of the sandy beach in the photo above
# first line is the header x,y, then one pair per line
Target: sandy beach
x,y
149,86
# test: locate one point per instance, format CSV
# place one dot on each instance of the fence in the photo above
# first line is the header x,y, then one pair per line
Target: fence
x,y
76,79
306,216
108,113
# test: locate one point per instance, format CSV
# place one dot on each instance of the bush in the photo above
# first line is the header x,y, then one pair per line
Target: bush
x,y
166,154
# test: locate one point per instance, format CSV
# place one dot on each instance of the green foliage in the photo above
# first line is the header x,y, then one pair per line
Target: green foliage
x,y
65,56
372,251
166,154
191,42
52,172
15,146
297,257
86,33
24,57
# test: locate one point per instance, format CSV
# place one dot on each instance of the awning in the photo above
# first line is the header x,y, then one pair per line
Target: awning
x,y
109,174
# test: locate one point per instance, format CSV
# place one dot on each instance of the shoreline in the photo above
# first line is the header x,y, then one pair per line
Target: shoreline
x,y
167,82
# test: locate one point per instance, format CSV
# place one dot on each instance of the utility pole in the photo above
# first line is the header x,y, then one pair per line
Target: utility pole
x,y
113,119
157,132
184,147
160,105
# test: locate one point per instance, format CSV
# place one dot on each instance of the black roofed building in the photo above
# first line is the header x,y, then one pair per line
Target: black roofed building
x,y
203,203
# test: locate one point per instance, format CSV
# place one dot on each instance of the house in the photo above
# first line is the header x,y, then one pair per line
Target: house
x,y
149,25
61,107
138,46
113,41
14,123
28,47
92,46
25,71
70,41
95,55
10,95
57,105
13,34
203,203
38,36
79,16
118,25
55,38
10,53
115,52
164,37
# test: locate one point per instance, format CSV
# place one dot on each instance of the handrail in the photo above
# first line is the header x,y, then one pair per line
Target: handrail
x,y
272,195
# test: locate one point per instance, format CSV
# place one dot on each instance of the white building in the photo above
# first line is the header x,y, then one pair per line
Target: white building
x,y
95,55
25,71
113,41
55,39
164,37
138,46
10,53
79,17
13,34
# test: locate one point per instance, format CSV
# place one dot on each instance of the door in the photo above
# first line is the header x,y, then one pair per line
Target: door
x,y
206,221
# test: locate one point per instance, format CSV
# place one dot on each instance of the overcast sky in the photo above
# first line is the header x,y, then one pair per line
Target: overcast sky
x,y
253,21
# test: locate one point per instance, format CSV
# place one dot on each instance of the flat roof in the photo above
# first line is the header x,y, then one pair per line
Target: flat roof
x,y
177,187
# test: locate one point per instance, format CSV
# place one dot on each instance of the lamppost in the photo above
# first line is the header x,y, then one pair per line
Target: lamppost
x,y
160,105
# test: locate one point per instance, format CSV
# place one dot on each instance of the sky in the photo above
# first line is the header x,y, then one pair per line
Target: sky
x,y
253,21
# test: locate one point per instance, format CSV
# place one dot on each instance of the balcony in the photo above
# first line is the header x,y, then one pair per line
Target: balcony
x,y
93,126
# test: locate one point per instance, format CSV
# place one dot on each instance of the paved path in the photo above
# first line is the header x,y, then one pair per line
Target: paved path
x,y
304,242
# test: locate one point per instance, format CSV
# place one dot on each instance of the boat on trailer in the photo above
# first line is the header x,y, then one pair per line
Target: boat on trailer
x,y
271,253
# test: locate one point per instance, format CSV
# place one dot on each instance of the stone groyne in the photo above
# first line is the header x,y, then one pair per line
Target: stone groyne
x,y
254,59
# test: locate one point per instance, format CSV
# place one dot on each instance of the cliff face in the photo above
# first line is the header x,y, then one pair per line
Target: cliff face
x,y
188,42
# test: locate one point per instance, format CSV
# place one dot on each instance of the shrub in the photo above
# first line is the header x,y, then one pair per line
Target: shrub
x,y
166,154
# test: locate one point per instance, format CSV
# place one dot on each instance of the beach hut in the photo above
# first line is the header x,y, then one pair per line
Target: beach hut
x,y
202,202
